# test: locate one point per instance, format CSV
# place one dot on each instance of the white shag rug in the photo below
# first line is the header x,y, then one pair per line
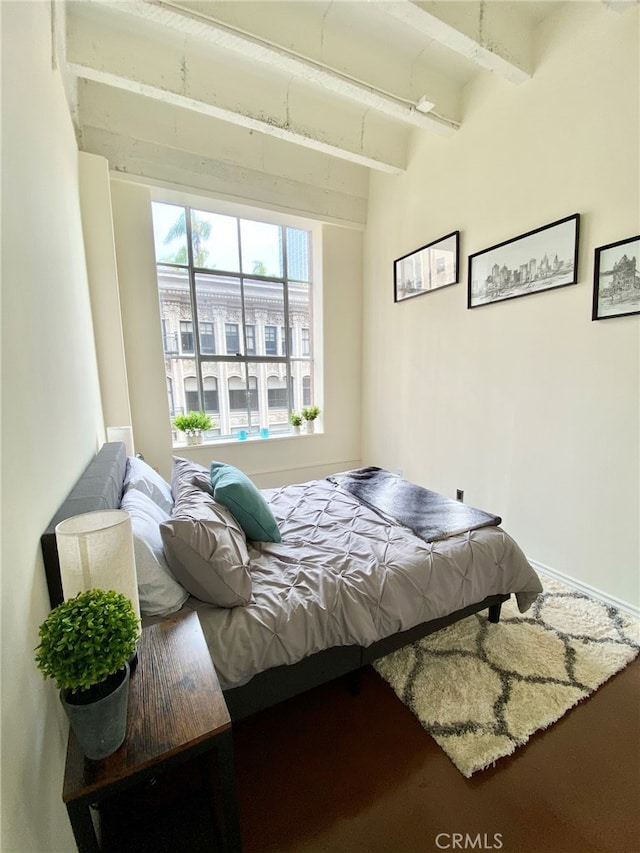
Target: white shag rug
x,y
481,690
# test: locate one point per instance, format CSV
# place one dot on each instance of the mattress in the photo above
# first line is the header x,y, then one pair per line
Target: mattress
x,y
344,575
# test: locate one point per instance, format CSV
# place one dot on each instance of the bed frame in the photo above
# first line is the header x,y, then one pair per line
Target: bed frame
x,y
100,487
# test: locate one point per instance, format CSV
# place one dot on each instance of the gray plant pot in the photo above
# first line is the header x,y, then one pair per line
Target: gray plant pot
x,y
100,725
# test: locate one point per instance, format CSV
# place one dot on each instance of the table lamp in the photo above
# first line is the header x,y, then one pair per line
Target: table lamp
x,y
122,433
95,551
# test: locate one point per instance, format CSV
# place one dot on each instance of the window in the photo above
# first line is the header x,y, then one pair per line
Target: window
x,y
232,338
172,408
211,404
250,332
207,338
186,335
283,341
169,339
241,397
191,394
270,342
277,397
236,307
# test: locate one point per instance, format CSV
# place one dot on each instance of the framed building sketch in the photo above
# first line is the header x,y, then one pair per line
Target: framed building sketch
x,y
616,279
539,260
429,268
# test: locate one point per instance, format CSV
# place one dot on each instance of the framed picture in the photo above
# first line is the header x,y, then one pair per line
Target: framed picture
x,y
538,260
429,268
616,280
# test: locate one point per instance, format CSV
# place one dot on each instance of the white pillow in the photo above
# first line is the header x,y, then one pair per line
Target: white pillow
x,y
141,476
159,592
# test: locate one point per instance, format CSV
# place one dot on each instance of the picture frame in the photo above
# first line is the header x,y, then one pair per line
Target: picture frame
x,y
428,268
543,259
616,279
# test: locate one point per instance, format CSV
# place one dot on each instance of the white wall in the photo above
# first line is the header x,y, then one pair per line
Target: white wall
x,y
527,405
51,417
277,460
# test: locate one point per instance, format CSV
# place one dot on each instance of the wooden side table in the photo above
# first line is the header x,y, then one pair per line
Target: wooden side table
x,y
176,712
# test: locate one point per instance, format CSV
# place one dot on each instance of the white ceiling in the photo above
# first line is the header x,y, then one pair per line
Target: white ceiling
x,y
162,87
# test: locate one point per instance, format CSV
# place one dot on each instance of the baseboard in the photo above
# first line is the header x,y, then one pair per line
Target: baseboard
x,y
285,476
587,589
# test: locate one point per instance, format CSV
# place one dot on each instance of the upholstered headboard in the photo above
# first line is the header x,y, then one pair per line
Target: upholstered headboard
x,y
99,487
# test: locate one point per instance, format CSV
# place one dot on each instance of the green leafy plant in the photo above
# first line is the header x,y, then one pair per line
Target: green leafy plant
x,y
182,422
203,421
295,419
87,638
310,413
194,420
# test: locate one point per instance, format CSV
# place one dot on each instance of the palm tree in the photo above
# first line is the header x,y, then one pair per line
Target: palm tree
x,y
200,233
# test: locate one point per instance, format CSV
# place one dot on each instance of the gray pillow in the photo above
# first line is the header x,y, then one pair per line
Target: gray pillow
x,y
203,481
159,593
205,546
183,472
141,476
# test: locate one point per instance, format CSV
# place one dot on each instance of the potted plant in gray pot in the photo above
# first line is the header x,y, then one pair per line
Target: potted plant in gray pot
x,y
85,645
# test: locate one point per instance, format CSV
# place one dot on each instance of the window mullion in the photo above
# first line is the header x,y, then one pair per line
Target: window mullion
x,y
244,333
287,349
194,309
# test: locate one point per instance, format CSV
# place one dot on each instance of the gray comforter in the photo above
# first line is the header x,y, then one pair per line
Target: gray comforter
x,y
343,575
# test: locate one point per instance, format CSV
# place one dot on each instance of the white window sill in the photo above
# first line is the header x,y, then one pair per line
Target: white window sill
x,y
252,439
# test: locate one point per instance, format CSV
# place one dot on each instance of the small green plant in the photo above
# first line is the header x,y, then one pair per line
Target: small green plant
x,y
203,421
193,421
295,419
87,638
310,413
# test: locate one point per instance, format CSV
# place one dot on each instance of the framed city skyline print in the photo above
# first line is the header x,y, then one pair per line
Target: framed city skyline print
x,y
428,268
542,259
616,279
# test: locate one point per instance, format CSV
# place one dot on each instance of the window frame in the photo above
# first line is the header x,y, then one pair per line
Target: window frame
x,y
248,358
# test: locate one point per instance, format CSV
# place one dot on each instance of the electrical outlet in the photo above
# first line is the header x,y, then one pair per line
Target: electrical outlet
x,y
399,472
460,494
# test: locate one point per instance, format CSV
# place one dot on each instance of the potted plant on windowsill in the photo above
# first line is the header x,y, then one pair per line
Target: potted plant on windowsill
x,y
193,425
296,421
309,414
85,645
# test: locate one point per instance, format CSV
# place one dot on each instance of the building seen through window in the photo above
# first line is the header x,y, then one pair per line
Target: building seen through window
x,y
236,311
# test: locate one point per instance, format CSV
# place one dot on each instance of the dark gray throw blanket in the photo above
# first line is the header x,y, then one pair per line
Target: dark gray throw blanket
x,y
428,514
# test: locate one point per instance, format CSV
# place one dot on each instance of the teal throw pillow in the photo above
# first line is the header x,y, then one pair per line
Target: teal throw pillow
x,y
245,502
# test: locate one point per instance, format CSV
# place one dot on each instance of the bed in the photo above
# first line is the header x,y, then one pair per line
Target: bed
x,y
346,578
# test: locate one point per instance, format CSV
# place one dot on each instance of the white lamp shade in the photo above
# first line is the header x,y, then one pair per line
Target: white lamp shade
x,y
122,433
95,551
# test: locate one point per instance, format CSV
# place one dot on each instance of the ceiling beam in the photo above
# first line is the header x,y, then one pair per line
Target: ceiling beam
x,y
169,167
286,132
483,50
192,24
